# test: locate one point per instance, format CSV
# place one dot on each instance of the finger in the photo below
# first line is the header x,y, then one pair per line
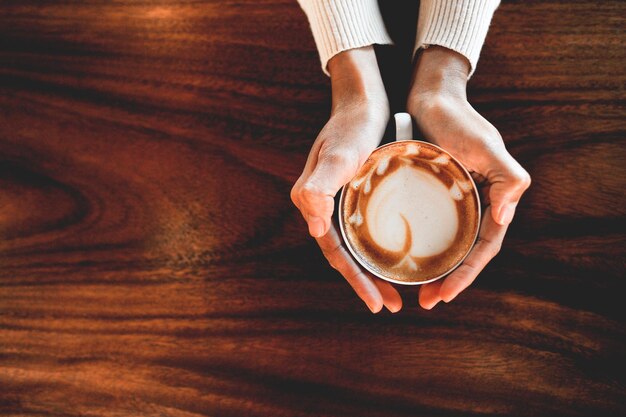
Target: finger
x,y
339,258
297,188
508,182
306,197
391,297
429,295
314,195
486,248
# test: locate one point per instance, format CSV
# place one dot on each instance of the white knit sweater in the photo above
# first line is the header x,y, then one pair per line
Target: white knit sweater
x,y
460,25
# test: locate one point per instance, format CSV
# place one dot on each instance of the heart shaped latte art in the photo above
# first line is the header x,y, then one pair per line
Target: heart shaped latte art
x,y
407,208
426,215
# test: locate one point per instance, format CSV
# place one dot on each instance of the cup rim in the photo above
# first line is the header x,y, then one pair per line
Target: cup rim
x,y
395,281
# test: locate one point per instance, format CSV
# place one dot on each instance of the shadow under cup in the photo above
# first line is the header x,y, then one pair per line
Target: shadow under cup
x,y
411,214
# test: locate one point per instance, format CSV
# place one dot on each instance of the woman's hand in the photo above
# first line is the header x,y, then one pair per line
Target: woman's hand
x,y
358,118
438,102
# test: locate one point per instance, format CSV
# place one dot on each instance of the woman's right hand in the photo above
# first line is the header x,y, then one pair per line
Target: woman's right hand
x,y
360,111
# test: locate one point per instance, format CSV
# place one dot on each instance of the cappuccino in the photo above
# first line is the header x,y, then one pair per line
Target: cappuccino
x,y
411,214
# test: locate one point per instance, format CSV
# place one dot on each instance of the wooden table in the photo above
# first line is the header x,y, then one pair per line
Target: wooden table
x,y
151,263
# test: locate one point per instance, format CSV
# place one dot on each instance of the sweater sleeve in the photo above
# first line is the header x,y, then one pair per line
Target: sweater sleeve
x,y
460,25
339,25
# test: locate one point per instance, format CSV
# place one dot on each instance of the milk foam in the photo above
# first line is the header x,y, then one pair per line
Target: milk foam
x,y
414,198
411,213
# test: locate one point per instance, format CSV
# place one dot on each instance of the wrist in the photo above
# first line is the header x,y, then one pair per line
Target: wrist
x,y
356,80
439,72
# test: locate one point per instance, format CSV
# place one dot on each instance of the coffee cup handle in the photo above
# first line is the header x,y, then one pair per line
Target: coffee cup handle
x,y
404,126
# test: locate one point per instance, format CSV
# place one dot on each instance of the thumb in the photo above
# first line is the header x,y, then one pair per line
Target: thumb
x,y
314,194
507,184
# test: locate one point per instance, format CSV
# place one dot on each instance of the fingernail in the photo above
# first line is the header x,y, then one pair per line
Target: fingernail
x,y
430,307
448,298
393,309
506,214
374,309
316,226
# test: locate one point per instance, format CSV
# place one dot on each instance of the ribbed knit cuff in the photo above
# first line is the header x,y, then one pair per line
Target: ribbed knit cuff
x,y
460,25
339,25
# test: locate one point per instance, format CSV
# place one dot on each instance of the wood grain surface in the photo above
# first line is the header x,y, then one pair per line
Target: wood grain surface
x,y
151,263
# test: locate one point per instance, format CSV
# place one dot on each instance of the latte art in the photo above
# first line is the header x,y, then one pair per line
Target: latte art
x,y
410,213
425,222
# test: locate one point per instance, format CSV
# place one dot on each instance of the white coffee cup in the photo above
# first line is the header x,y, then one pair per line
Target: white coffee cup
x,y
404,134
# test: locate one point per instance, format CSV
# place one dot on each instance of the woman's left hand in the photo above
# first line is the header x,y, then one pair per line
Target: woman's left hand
x,y
438,102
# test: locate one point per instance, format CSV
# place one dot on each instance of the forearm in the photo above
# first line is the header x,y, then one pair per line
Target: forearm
x,y
355,79
439,70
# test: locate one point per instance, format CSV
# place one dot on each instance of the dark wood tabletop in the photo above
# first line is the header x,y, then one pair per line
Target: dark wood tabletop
x,y
152,264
